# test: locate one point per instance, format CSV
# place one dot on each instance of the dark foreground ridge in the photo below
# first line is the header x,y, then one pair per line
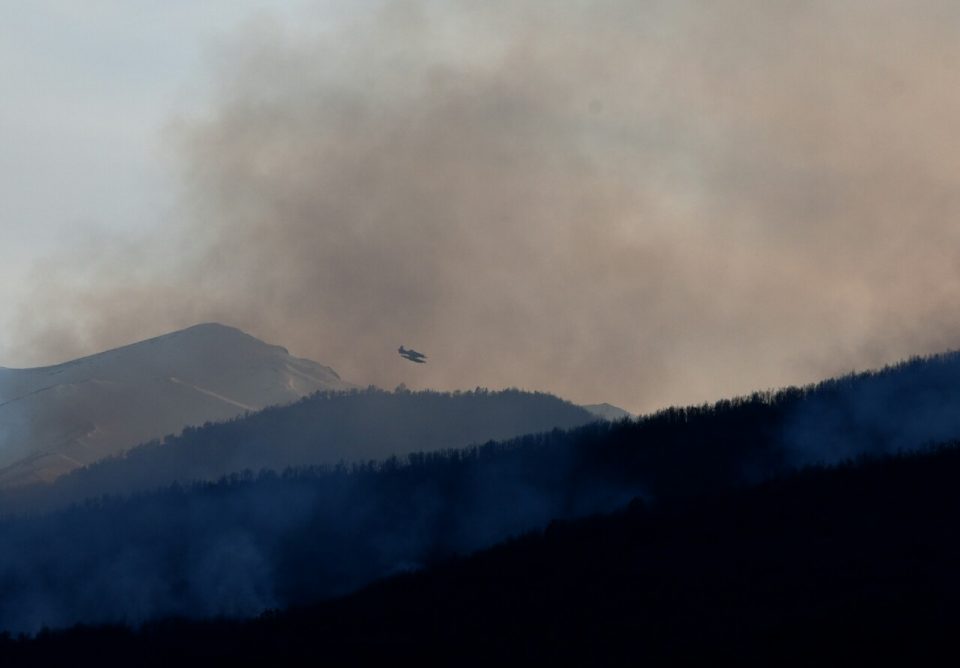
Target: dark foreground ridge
x,y
269,540
828,566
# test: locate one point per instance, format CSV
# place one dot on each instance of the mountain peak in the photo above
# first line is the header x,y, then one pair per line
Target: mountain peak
x,y
215,331
209,329
610,412
59,417
205,331
212,326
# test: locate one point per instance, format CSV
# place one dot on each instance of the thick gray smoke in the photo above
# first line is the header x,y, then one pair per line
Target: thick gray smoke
x,y
640,202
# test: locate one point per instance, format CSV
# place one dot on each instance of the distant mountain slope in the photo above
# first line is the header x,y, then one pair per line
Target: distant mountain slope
x,y
608,411
54,419
325,428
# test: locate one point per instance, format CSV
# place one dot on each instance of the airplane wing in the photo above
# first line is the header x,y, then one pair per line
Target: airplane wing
x,y
412,355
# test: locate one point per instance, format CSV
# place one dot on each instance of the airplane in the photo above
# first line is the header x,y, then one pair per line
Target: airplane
x,y
412,355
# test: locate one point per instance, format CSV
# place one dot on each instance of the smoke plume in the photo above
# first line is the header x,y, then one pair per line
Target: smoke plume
x,y
638,202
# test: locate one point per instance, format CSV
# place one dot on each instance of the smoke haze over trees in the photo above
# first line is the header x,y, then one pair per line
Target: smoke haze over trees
x,y
327,428
827,563
273,539
651,203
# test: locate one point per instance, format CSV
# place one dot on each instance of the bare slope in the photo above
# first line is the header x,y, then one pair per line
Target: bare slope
x,y
54,419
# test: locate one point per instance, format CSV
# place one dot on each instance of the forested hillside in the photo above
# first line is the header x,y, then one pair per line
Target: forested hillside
x,y
325,428
830,566
256,541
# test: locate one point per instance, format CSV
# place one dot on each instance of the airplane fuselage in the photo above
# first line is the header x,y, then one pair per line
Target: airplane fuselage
x,y
412,355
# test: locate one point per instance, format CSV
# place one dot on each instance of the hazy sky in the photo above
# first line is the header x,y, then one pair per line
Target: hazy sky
x,y
88,88
641,202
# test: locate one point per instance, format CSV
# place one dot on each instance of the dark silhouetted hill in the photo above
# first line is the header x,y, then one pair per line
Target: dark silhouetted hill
x,y
324,429
271,540
851,566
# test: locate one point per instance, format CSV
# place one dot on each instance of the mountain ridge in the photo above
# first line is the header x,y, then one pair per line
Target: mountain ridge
x,y
323,429
280,538
61,416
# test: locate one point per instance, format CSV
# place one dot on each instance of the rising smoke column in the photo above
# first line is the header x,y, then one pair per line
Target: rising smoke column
x,y
640,202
